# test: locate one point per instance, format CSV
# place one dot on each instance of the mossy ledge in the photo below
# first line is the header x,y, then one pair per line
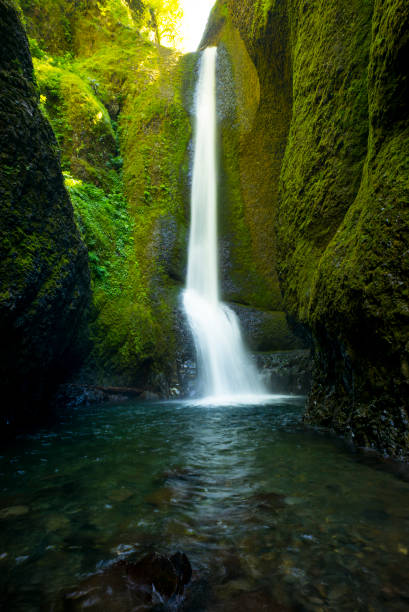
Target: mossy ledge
x,y
334,86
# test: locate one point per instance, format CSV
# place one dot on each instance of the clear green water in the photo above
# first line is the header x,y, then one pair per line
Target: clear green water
x,y
271,515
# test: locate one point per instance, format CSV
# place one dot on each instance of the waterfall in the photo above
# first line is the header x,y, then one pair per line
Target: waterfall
x,y
225,369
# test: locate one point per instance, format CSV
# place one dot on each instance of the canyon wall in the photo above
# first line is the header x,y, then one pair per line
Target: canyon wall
x,y
314,190
44,276
328,92
119,106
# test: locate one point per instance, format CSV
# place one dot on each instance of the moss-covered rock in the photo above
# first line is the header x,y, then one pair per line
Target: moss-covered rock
x,y
361,291
334,85
266,330
80,122
155,135
44,273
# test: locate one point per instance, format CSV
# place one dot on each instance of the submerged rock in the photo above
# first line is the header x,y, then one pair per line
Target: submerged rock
x,y
161,497
120,495
126,585
183,570
179,473
58,522
268,501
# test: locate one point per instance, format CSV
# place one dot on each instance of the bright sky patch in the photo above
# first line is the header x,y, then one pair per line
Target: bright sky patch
x,y
195,15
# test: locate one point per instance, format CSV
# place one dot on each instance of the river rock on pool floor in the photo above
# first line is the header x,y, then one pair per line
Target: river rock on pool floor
x,y
120,495
161,497
253,601
13,512
128,586
268,501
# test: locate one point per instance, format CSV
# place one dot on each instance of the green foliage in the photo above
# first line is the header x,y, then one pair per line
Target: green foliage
x,y
79,119
125,332
106,228
163,18
59,26
35,49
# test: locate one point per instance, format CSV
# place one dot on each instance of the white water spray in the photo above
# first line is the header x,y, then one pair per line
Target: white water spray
x,y
226,373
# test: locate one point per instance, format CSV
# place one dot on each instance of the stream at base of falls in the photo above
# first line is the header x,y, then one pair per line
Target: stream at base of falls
x,y
272,516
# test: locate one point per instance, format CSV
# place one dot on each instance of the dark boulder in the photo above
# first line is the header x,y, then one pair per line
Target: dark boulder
x,y
183,570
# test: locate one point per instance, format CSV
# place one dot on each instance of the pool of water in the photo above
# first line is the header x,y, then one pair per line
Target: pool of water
x,y
273,516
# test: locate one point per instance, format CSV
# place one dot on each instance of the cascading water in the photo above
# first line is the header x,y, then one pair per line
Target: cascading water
x,y
225,369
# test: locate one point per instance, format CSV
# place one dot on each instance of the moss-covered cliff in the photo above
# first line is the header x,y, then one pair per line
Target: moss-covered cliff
x,y
253,115
359,301
334,150
115,101
44,277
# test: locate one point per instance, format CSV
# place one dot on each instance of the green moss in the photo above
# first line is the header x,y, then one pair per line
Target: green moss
x,y
155,132
44,275
124,332
106,227
333,99
347,271
327,141
80,121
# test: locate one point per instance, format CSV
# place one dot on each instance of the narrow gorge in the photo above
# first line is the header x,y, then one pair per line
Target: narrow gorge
x,y
204,305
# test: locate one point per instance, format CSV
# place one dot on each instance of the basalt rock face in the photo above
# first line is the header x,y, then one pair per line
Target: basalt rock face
x,y
44,277
334,79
